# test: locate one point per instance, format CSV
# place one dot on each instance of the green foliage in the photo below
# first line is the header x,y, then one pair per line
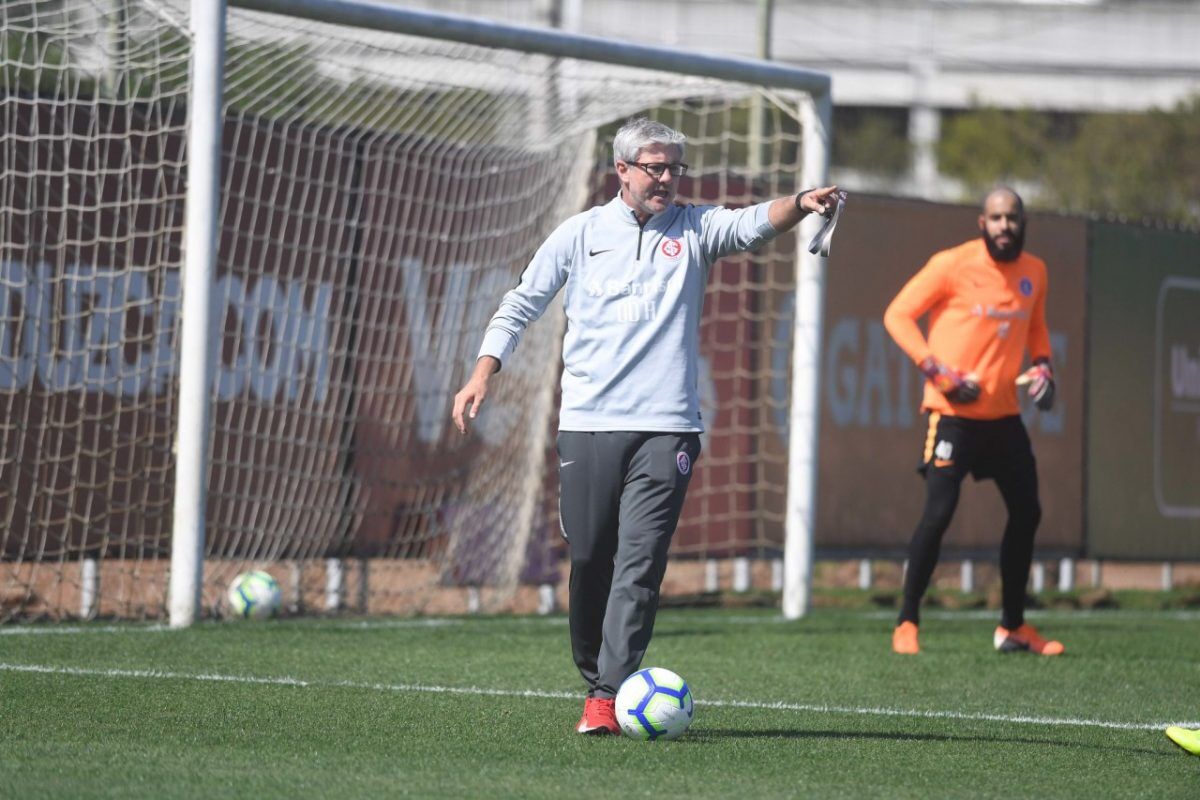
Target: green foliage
x,y
39,44
35,63
270,80
284,81
1140,166
874,140
1186,122
991,145
154,64
1118,163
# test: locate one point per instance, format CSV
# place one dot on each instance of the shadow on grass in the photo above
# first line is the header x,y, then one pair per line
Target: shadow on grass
x,y
715,734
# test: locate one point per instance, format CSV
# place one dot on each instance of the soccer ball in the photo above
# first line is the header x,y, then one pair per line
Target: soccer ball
x,y
654,703
254,595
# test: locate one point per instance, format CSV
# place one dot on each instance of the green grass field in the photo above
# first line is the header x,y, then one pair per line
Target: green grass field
x,y
484,707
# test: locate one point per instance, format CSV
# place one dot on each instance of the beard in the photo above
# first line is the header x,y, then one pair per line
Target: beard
x,y
1010,251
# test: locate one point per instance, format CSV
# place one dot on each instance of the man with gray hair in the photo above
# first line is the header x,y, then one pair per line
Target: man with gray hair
x,y
634,272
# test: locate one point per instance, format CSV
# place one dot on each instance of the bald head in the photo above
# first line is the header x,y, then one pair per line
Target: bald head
x,y
1002,195
1002,224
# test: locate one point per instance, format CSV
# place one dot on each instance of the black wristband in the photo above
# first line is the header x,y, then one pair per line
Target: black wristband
x,y
799,207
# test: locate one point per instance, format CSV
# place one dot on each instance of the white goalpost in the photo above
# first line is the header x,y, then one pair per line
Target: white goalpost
x,y
248,255
196,347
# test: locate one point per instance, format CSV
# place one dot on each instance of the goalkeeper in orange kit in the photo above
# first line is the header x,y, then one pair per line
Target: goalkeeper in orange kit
x,y
986,301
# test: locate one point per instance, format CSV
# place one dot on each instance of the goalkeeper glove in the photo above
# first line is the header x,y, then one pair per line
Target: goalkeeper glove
x,y
957,387
1040,379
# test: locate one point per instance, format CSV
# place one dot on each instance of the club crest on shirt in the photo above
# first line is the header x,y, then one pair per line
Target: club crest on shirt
x,y
684,462
671,248
1026,287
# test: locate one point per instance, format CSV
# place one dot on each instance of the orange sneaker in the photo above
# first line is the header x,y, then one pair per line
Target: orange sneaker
x,y
904,639
599,717
1025,639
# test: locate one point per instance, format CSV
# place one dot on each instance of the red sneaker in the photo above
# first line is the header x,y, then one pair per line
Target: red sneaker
x,y
599,717
1025,639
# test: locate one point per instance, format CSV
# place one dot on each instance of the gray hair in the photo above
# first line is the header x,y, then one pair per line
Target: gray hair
x,y
640,133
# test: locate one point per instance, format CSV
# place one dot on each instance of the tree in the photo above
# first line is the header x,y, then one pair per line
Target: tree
x,y
990,145
1121,164
33,59
871,139
1138,165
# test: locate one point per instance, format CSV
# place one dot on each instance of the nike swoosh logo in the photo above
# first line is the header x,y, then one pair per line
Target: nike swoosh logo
x,y
598,252
565,463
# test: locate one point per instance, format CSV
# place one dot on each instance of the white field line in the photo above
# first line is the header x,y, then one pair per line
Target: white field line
x,y
366,624
664,616
477,691
59,630
1048,613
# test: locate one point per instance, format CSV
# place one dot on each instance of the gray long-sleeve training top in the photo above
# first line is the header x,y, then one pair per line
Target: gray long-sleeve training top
x,y
633,300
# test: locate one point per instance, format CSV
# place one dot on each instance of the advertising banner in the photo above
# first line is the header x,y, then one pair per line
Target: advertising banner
x,y
88,329
872,432
1143,438
348,314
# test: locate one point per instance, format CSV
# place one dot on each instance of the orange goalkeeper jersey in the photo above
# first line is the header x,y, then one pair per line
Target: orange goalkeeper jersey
x,y
982,316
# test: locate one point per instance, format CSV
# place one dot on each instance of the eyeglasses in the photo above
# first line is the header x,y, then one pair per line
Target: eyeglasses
x,y
657,169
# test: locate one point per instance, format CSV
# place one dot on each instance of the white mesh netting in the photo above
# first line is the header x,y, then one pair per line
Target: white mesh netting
x,y
379,194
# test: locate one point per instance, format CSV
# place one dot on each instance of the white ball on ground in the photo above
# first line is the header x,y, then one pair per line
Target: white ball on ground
x,y
654,703
254,595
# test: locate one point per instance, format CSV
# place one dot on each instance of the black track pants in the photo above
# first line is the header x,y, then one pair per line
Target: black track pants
x,y
996,449
620,495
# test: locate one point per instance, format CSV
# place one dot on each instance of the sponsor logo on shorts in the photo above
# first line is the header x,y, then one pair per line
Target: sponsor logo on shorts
x,y
943,454
684,462
671,248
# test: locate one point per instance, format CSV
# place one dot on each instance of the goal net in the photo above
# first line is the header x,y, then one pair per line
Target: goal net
x,y
379,193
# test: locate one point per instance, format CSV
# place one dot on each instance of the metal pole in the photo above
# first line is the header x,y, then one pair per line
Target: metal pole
x,y
1066,575
758,125
712,576
453,27
816,116
199,267
864,574
89,588
335,583
741,574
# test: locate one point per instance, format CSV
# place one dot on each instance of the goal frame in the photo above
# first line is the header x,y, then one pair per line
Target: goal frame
x,y
208,19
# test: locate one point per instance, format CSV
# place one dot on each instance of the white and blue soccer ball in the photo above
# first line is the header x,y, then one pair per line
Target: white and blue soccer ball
x,y
254,595
654,703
